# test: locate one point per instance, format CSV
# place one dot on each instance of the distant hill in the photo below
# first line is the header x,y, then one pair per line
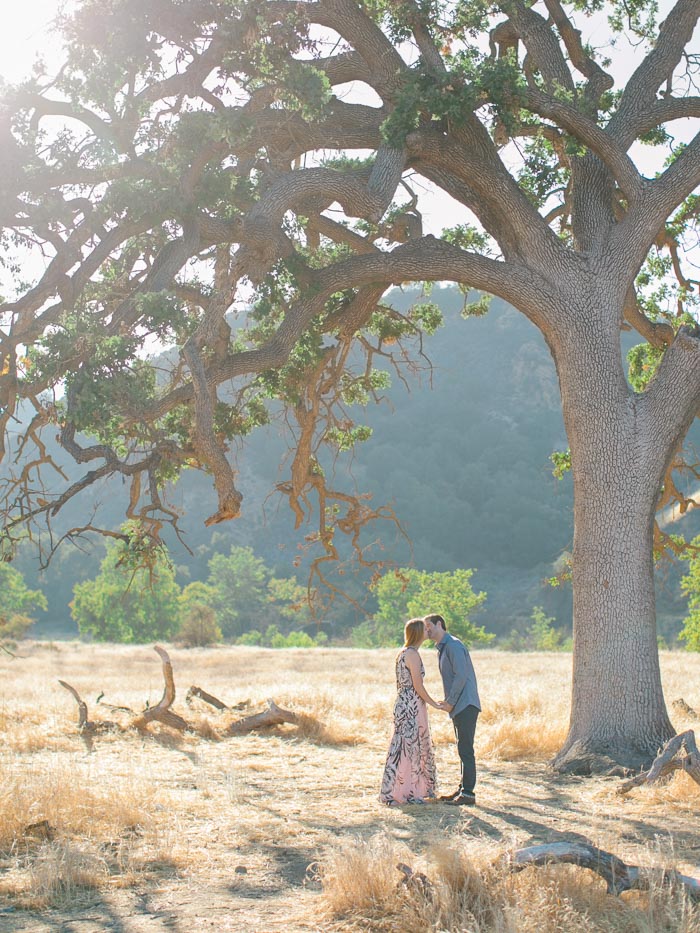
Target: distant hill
x,y
463,458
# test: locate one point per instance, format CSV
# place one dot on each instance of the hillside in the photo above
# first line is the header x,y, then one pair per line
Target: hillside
x,y
463,458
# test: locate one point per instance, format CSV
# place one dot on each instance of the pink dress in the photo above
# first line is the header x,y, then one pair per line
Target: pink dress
x,y
409,774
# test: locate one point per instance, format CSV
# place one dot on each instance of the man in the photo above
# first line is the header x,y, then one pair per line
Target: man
x,y
461,702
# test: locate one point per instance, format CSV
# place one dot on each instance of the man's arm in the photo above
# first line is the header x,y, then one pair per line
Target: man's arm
x,y
456,657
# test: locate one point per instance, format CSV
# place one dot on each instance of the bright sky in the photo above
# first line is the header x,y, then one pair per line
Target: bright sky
x,y
25,31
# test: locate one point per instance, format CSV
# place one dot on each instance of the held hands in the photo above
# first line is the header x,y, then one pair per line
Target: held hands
x,y
441,704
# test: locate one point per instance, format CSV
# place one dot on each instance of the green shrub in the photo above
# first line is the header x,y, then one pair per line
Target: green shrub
x,y
253,637
542,634
273,638
129,600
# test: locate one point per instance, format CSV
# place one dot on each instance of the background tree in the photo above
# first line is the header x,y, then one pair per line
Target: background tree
x,y
451,595
393,591
186,149
245,595
195,594
18,604
127,602
542,634
199,627
409,593
690,584
238,584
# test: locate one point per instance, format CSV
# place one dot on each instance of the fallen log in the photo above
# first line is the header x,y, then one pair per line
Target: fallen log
x,y
274,715
85,725
161,712
618,876
669,760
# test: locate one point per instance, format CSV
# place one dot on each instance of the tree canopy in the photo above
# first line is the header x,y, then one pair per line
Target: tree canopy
x,y
127,602
186,149
189,151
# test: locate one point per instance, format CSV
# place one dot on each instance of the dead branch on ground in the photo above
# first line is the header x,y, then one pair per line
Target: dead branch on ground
x,y
197,692
86,725
618,876
669,760
205,697
274,715
161,712
416,882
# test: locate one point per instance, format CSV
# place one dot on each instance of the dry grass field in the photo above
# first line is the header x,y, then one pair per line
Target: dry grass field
x,y
282,830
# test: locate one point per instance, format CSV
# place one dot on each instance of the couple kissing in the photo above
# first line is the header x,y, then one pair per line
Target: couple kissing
x,y
409,774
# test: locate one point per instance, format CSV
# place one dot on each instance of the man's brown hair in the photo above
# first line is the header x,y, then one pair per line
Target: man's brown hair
x,y
436,620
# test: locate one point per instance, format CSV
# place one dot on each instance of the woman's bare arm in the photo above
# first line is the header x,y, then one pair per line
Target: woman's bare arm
x,y
413,664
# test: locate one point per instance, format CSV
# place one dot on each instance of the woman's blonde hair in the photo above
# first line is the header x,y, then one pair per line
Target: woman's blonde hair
x,y
413,633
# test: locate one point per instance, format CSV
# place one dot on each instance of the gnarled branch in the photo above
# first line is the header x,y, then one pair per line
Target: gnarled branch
x,y
669,760
618,875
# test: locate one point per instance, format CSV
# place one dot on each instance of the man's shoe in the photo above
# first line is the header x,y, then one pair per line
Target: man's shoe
x,y
446,798
462,800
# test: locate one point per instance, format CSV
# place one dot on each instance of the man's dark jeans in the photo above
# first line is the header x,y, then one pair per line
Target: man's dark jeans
x,y
465,727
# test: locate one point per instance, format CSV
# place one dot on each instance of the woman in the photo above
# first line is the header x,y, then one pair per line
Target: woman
x,y
409,774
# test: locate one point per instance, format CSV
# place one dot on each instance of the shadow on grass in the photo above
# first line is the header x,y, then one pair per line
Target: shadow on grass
x,y
94,909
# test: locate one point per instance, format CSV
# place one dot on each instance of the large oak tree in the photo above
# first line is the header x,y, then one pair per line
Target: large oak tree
x,y
189,149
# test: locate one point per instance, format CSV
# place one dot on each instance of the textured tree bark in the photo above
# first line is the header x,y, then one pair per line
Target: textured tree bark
x,y
618,714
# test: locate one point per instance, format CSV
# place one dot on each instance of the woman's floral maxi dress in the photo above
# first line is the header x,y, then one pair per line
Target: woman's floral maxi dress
x,y
409,774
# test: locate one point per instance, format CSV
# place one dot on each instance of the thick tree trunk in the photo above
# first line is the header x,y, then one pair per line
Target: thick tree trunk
x,y
618,714
619,453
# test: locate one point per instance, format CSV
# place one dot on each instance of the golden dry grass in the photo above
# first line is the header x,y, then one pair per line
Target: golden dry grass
x,y
282,830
